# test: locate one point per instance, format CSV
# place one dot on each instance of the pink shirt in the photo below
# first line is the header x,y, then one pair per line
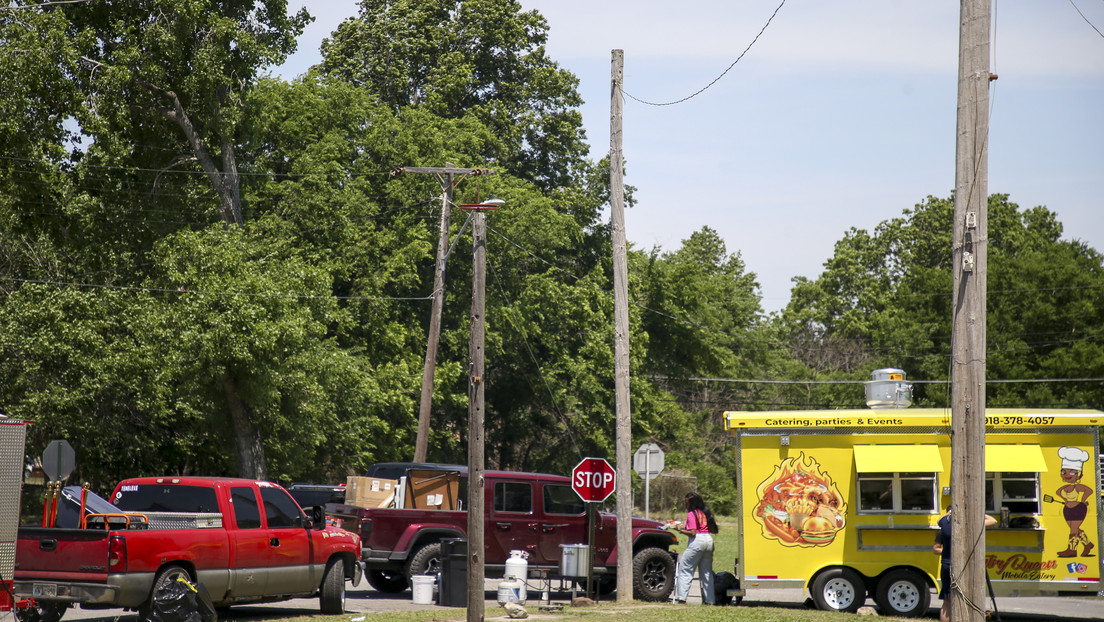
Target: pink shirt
x,y
695,522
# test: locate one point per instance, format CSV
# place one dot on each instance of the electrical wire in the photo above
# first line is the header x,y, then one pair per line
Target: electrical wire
x,y
717,79
1086,19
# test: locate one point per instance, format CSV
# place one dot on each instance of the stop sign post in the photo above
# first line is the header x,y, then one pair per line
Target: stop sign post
x,y
593,479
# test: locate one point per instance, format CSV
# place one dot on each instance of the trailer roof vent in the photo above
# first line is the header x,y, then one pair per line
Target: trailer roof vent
x,y
887,388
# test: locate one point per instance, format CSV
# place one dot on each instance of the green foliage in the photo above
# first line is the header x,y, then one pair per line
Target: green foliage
x,y
159,340
479,58
884,300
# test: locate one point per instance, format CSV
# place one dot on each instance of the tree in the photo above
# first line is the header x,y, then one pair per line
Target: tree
x,y
884,300
483,58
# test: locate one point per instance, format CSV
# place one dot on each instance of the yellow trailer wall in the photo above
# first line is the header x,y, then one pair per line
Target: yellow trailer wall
x,y
791,474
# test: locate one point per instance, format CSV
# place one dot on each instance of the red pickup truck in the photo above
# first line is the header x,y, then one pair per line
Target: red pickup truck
x,y
245,540
530,512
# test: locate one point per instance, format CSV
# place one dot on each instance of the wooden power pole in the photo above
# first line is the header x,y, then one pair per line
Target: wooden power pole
x,y
621,336
445,177
476,503
967,591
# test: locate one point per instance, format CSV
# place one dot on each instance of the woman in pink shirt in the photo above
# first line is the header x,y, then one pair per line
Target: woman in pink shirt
x,y
700,526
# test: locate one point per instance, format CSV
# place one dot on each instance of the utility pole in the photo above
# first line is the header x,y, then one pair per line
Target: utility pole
x,y
970,240
445,177
476,536
621,335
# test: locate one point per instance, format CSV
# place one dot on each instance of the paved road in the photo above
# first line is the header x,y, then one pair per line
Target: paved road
x,y
366,600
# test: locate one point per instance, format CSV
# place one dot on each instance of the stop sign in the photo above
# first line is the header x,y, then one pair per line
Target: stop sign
x,y
593,479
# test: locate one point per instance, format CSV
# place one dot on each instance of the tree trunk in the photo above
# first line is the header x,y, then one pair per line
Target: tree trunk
x,y
227,182
247,438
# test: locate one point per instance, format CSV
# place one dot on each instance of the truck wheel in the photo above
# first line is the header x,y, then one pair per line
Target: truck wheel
x,y
165,576
839,589
903,592
43,611
331,597
426,561
653,574
387,582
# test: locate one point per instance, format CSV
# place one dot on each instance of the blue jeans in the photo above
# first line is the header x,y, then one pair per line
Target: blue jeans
x,y
699,554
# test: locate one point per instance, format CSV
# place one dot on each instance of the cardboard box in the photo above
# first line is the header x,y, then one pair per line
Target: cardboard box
x,y
370,492
432,490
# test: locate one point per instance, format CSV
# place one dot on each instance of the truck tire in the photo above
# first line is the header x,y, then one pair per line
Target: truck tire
x,y
903,592
331,595
653,574
427,560
42,611
166,575
387,582
839,589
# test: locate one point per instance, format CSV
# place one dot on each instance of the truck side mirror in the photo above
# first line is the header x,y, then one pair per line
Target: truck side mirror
x,y
318,517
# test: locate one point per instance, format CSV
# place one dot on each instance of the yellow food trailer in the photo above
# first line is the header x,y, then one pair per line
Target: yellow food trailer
x,y
845,503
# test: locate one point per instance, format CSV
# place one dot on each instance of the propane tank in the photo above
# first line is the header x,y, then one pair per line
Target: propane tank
x,y
511,591
517,567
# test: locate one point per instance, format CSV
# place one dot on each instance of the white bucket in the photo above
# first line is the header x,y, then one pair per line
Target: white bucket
x,y
423,588
510,591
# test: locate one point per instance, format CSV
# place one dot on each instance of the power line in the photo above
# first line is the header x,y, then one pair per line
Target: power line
x,y
723,73
822,382
1086,19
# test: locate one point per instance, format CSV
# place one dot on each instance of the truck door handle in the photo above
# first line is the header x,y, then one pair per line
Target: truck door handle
x,y
47,544
274,541
503,526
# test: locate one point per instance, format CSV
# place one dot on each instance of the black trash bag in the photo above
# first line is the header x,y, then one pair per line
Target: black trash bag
x,y
722,582
180,601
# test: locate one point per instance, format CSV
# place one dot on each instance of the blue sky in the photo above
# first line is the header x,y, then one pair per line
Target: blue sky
x,y
841,115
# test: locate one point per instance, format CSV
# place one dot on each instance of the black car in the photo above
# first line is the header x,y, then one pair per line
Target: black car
x,y
310,495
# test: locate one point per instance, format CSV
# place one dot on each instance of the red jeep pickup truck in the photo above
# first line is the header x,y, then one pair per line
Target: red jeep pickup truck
x,y
530,512
245,540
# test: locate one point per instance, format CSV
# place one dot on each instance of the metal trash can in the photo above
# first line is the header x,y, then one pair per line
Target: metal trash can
x,y
453,587
573,562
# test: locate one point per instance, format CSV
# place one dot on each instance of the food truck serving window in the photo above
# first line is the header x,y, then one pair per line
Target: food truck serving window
x,y
897,478
1019,492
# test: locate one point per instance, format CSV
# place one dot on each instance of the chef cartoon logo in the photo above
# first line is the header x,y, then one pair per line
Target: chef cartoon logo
x,y
799,504
1074,496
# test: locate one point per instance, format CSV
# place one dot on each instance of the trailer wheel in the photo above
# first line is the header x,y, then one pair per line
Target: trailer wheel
x,y
839,589
42,611
903,592
653,574
427,560
331,596
387,582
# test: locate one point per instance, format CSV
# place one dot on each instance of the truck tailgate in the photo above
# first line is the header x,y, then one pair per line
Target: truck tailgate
x,y
62,554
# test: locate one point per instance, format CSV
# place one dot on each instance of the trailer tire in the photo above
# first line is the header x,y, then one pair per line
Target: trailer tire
x,y
903,592
427,560
839,589
331,595
387,582
42,611
653,574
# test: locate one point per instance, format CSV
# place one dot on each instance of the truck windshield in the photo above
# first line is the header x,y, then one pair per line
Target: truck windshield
x,y
162,498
